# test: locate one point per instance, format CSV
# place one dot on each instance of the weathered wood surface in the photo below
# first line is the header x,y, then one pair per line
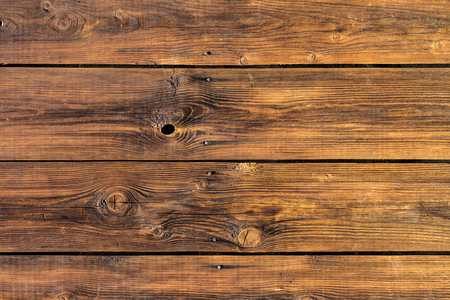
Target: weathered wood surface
x,y
223,32
223,114
223,207
224,277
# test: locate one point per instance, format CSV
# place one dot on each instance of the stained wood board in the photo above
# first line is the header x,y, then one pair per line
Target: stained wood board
x,y
224,114
224,277
221,32
223,207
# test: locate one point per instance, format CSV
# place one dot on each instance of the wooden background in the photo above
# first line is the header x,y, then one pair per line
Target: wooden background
x,y
223,149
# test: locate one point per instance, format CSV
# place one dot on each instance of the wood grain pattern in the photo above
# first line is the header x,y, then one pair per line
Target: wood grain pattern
x,y
223,32
224,277
223,114
223,207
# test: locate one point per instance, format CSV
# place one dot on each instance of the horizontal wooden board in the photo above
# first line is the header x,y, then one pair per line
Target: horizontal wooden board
x,y
224,277
223,207
223,32
223,114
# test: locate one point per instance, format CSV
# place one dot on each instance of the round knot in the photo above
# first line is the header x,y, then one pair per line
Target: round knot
x,y
47,5
119,14
202,184
249,237
67,23
118,203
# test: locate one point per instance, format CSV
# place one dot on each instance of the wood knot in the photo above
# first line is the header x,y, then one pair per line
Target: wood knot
x,y
202,184
65,296
113,205
156,232
63,24
121,22
160,233
118,203
7,26
119,15
243,60
47,6
250,237
66,24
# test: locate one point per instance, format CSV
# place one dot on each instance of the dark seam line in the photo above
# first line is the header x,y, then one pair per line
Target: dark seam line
x,y
275,161
287,66
192,253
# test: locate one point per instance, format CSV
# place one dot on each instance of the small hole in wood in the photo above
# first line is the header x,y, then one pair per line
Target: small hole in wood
x,y
207,53
210,173
168,129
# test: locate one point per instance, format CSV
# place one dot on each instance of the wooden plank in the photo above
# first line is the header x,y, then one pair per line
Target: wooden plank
x,y
224,32
223,114
223,207
224,277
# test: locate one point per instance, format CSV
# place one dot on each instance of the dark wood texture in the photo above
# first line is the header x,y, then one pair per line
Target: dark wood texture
x,y
230,207
223,114
224,277
223,32
208,174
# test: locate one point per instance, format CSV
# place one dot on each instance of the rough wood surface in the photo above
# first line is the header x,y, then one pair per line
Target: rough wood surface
x,y
224,277
224,114
223,32
223,207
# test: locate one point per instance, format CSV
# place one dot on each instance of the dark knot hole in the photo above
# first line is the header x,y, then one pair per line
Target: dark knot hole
x,y
168,129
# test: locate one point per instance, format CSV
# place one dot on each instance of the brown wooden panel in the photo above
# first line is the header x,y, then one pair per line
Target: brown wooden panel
x,y
230,207
223,114
219,32
224,277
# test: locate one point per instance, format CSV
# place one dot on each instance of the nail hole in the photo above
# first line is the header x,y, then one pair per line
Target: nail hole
x,y
207,53
168,129
210,173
